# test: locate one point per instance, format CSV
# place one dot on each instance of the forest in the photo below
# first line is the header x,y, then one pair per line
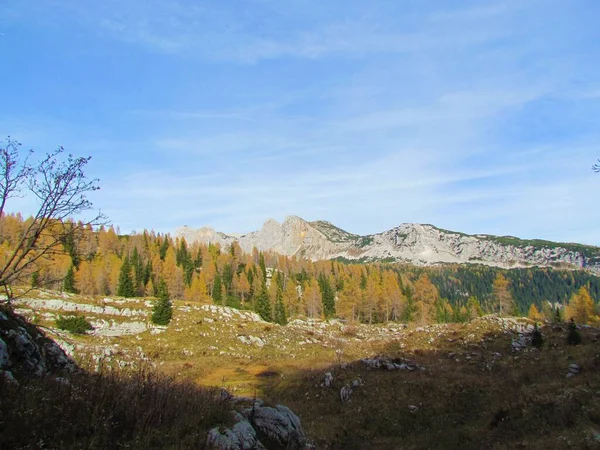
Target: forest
x,y
101,261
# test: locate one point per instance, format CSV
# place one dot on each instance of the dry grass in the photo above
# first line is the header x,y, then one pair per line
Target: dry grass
x,y
134,410
471,400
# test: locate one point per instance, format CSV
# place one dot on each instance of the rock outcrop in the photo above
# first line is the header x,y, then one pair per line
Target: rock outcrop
x,y
413,243
260,427
26,351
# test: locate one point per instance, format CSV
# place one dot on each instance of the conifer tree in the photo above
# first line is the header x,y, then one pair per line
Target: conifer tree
x,y
217,292
537,340
280,315
227,278
327,296
474,308
502,295
125,287
263,266
534,313
162,310
557,316
69,281
573,337
163,248
148,272
263,305
581,307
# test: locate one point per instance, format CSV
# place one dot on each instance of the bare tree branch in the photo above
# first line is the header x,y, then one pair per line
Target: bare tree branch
x,y
60,185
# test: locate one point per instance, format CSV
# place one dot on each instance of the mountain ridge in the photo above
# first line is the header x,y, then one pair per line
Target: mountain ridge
x,y
419,244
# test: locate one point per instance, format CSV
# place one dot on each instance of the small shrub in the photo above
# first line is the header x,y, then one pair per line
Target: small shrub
x,y
74,324
537,340
573,338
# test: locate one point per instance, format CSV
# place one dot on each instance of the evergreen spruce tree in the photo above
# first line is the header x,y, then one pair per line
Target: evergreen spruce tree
x,y
148,272
263,266
125,287
280,315
138,271
228,279
263,305
162,310
163,248
557,316
537,340
35,279
573,338
69,281
217,293
327,296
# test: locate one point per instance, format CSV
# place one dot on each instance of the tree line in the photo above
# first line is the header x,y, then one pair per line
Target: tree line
x,y
103,262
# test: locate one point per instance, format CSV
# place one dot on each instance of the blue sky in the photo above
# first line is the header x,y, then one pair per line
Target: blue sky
x,y
476,116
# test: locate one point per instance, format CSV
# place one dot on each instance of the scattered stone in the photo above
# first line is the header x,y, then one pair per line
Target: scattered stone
x,y
328,379
574,369
520,342
345,394
413,409
112,328
383,363
252,340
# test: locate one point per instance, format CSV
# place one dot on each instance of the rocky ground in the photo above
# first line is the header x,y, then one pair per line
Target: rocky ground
x,y
475,385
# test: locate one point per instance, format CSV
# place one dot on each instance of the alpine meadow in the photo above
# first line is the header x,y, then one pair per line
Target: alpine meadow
x,y
297,225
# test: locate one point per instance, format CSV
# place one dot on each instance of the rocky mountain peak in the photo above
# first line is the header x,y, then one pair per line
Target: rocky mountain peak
x,y
422,244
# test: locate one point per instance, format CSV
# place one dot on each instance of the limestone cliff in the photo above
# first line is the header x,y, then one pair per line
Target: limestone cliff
x,y
419,244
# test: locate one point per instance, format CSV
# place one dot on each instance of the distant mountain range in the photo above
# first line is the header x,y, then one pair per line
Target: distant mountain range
x,y
419,244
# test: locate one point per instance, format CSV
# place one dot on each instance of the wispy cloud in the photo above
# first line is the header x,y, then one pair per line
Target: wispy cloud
x,y
473,116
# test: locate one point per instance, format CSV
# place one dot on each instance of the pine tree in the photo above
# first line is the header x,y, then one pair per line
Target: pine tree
x,y
280,316
163,248
125,287
162,310
537,340
534,313
502,295
35,279
69,281
263,305
474,308
227,278
263,266
217,293
573,337
327,296
581,307
557,316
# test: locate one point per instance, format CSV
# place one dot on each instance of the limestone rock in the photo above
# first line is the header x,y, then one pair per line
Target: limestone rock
x,y
574,369
240,437
345,394
4,356
26,351
328,379
278,428
420,244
